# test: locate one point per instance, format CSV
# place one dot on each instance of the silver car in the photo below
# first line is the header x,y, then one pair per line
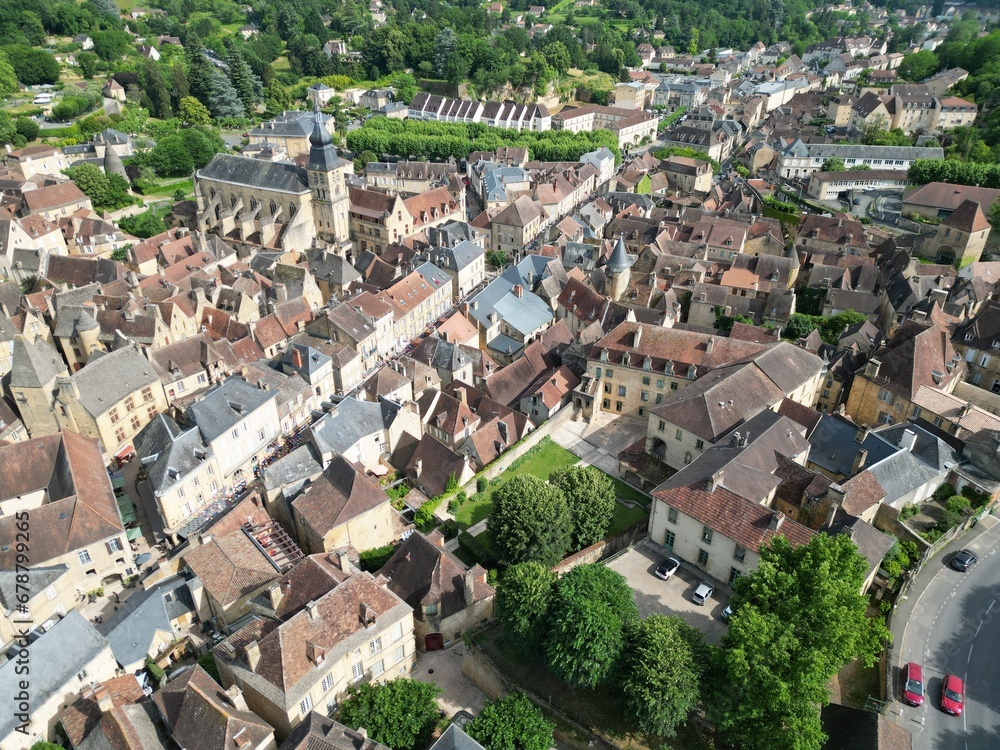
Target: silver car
x,y
703,593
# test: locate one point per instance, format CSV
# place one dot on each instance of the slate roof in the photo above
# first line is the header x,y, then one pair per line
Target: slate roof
x,y
455,738
201,715
134,625
904,470
835,445
339,495
35,365
168,452
350,421
107,378
56,658
39,578
278,176
225,405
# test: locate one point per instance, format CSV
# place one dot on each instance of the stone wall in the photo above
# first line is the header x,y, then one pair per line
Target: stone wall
x,y
604,548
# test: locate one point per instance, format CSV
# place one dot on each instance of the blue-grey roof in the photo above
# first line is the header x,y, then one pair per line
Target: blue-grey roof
x,y
132,629
107,378
292,469
433,275
834,446
905,470
56,658
313,360
225,405
168,452
495,181
529,271
278,176
504,344
458,257
454,738
349,422
297,124
38,580
525,314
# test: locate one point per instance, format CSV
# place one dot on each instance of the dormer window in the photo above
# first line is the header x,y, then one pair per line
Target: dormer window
x,y
647,364
968,337
604,355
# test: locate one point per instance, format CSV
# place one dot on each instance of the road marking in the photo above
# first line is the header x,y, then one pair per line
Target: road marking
x,y
978,628
991,606
969,660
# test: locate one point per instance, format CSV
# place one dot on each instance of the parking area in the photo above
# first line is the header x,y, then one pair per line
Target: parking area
x,y
672,597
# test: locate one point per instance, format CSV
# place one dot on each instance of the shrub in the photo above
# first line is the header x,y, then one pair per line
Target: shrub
x,y
450,528
943,492
976,498
481,484
154,670
909,512
373,559
957,504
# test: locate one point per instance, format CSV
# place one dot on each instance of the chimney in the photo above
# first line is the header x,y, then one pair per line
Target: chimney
x,y
296,358
362,733
909,440
242,738
861,435
638,337
436,538
709,345
103,697
280,292
966,408
831,515
470,587
235,697
343,561
859,461
776,520
276,595
716,480
462,396
518,291
313,609
253,655
872,368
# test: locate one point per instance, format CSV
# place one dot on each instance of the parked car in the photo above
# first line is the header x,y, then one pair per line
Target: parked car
x,y
913,684
952,695
857,201
727,613
703,593
964,560
667,568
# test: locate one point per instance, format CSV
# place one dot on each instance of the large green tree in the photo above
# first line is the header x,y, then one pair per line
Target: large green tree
x,y
590,494
522,602
660,674
400,714
512,723
798,619
529,521
590,609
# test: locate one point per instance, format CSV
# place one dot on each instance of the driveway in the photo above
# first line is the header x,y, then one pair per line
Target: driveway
x,y
444,669
672,597
598,442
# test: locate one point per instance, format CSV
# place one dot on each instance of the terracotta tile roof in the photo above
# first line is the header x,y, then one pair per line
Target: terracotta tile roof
x,y
80,718
54,196
968,217
81,508
335,625
431,206
861,492
745,522
201,715
420,572
918,355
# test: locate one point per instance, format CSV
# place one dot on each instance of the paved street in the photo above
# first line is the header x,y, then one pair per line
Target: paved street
x,y
950,623
598,442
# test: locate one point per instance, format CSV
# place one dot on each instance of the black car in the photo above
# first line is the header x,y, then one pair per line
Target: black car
x,y
964,560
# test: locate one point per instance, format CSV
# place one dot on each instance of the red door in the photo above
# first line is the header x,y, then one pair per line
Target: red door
x,y
433,642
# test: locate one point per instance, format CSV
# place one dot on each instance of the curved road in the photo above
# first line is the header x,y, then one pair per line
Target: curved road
x,y
950,623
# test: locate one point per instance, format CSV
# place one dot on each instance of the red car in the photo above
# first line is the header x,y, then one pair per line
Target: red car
x,y
913,684
952,695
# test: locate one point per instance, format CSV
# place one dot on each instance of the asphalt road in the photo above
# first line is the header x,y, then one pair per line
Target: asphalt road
x,y
950,624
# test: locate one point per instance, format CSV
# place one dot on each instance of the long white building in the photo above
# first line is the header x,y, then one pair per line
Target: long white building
x,y
505,114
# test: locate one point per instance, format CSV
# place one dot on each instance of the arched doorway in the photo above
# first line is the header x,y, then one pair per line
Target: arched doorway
x,y
433,642
659,449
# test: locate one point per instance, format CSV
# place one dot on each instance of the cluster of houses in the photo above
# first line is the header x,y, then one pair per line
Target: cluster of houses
x,y
275,384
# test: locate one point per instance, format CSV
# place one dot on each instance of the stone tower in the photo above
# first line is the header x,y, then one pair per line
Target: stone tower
x,y
325,172
618,270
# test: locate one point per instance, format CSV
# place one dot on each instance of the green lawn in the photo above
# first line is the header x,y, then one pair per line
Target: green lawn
x,y
628,492
168,187
549,458
625,517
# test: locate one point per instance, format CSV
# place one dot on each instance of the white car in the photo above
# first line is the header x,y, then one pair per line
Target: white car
x,y
703,593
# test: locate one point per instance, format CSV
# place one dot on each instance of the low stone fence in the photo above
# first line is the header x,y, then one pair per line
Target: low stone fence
x,y
605,548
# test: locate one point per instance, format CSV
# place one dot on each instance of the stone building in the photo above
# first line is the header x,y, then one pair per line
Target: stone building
x,y
277,203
